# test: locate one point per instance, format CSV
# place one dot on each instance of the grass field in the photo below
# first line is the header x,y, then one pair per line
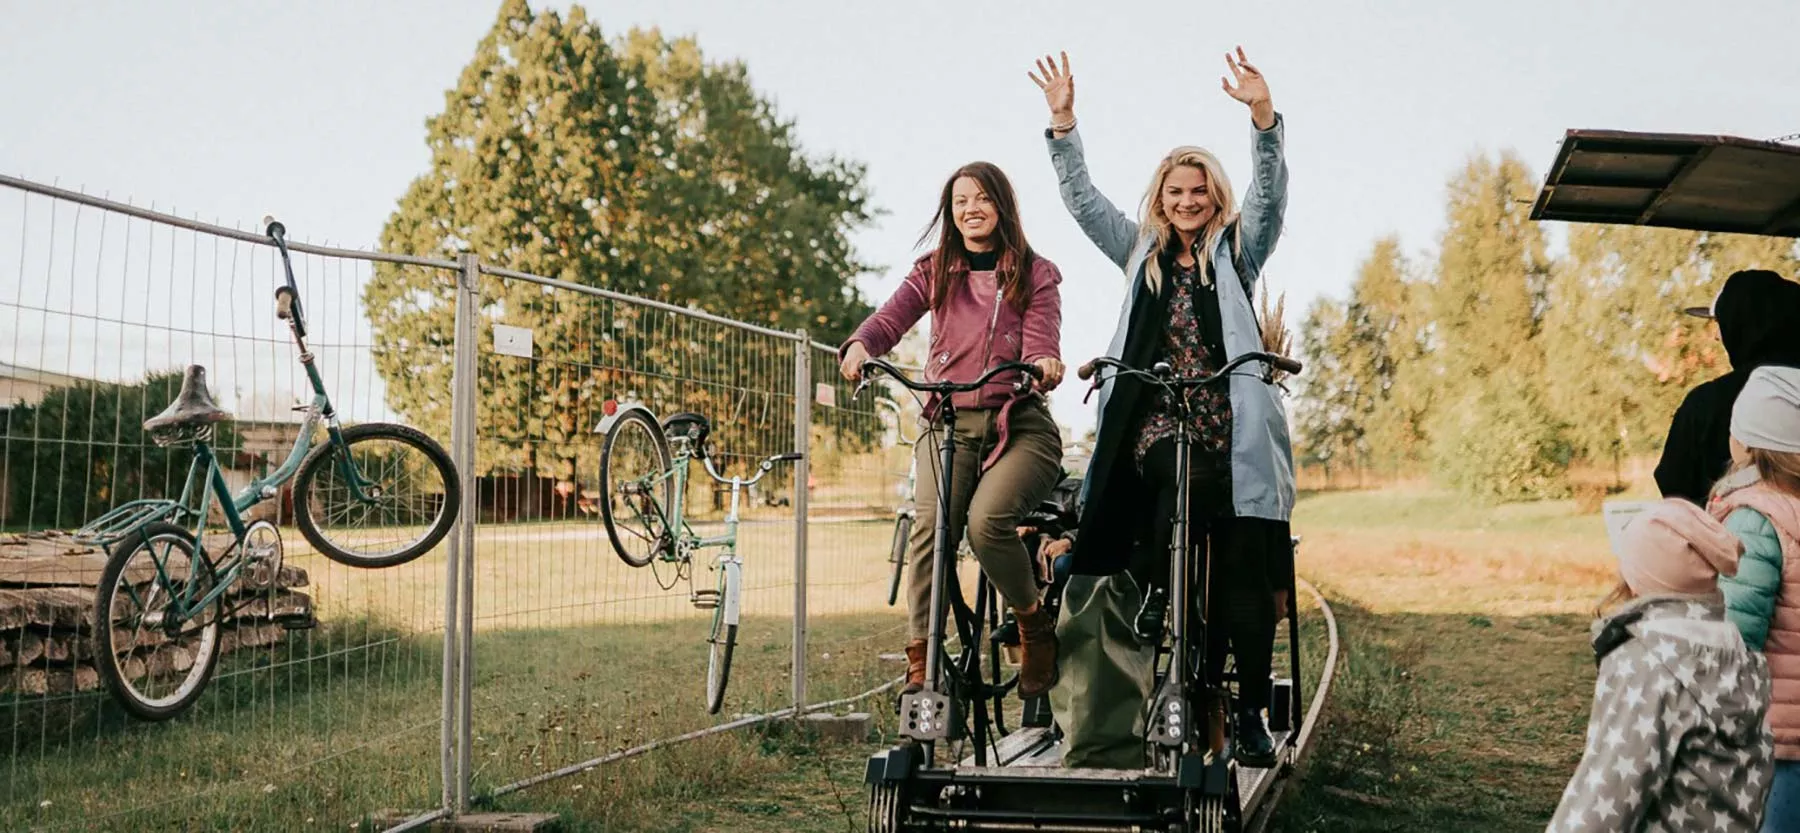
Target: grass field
x,y
1462,699
576,655
1460,702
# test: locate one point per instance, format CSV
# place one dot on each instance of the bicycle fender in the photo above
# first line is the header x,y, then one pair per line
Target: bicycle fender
x,y
733,590
625,406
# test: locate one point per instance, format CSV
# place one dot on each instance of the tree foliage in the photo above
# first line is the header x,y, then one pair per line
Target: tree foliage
x,y
82,450
1503,366
631,165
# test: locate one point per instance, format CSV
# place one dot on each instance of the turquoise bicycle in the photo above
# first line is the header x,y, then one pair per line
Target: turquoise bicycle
x,y
371,495
643,484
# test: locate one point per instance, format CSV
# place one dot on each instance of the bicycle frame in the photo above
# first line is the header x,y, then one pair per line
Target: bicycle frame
x,y
1172,722
927,714
205,480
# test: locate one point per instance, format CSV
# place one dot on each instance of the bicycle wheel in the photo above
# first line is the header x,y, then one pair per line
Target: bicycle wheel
x,y
723,638
903,526
154,661
405,496
636,488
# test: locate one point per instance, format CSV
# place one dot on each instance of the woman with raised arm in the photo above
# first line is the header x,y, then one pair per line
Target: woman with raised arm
x,y
1190,260
992,300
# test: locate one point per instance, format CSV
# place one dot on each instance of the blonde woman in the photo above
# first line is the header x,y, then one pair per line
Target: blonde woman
x,y
1190,260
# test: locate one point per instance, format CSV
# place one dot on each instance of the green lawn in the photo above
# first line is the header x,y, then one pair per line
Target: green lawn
x,y
1462,696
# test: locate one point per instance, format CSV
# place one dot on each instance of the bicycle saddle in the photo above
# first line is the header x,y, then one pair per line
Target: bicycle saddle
x,y
688,424
194,406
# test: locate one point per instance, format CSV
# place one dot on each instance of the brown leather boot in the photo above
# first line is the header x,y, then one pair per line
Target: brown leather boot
x,y
1037,647
915,666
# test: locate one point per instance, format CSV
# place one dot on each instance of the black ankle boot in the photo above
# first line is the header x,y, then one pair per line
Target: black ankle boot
x,y
1254,747
1149,622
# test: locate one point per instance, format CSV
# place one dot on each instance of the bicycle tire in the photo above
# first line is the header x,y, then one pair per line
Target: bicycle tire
x,y
903,526
660,537
114,670
320,459
723,639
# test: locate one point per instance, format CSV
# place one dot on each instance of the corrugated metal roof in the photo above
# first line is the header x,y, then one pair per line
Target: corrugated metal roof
x,y
1699,182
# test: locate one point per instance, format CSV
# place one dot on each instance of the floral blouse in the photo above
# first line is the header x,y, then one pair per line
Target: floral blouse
x,y
1185,348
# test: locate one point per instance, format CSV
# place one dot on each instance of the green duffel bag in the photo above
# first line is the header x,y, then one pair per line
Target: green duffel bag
x,y
1106,674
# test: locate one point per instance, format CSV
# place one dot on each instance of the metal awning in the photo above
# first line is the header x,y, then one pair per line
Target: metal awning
x,y
1703,183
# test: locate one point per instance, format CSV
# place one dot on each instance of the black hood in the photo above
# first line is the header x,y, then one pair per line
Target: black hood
x,y
1759,319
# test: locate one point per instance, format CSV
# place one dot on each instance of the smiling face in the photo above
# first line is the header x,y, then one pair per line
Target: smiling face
x,y
1186,199
972,211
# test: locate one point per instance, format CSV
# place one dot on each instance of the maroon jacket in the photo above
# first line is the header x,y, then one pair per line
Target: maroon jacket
x,y
974,331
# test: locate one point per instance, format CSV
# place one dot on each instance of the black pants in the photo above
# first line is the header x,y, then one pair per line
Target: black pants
x,y
1251,559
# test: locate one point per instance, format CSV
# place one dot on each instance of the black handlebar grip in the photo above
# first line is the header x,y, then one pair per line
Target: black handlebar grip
x,y
1286,365
792,455
274,228
1087,370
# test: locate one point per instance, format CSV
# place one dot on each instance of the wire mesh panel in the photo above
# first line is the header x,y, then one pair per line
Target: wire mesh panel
x,y
859,519
324,701
577,652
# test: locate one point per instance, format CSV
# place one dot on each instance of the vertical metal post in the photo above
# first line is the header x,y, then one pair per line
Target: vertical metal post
x,y
461,587
803,396
462,410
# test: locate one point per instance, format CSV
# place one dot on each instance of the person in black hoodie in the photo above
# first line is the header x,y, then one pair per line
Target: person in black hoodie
x,y
1758,313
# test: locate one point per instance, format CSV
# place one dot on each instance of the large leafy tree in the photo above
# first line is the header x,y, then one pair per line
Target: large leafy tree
x,y
631,165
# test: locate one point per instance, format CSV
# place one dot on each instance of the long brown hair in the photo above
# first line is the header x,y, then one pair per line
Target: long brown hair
x,y
950,262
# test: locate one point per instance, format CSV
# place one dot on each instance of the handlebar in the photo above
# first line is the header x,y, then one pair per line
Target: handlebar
x,y
763,468
1162,373
287,298
1031,370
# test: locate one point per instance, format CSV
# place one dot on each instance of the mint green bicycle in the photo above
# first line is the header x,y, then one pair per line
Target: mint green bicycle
x,y
372,495
643,484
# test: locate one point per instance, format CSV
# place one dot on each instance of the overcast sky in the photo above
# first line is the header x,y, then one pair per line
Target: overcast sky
x,y
315,111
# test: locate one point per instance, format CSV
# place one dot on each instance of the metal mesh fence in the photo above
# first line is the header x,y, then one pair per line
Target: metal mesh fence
x,y
100,312
577,652
342,691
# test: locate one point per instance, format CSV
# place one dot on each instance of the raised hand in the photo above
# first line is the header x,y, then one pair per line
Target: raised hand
x,y
1058,86
1252,89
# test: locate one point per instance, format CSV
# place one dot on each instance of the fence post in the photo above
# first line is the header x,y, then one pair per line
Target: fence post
x,y
458,616
803,396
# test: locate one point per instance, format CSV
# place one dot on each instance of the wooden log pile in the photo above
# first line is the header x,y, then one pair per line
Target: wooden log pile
x,y
47,587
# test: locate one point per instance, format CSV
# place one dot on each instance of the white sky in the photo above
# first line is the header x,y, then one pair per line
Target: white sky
x,y
315,111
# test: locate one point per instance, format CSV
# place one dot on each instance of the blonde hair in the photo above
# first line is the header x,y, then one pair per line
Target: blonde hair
x,y
1156,224
1780,470
1618,597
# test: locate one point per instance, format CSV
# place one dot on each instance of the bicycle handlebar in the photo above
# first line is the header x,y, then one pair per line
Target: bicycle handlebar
x,y
763,468
1162,373
287,298
1031,370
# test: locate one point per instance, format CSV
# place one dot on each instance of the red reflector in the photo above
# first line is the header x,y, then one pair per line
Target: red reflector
x,y
609,407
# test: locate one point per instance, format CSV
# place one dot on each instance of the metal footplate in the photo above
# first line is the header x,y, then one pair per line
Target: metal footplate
x,y
925,715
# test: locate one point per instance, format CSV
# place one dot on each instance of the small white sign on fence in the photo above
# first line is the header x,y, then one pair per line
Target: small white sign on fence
x,y
512,341
825,394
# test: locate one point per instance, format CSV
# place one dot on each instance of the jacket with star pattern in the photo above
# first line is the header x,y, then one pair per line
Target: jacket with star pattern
x,y
1677,739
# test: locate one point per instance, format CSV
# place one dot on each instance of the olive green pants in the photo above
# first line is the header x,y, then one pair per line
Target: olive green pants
x,y
989,505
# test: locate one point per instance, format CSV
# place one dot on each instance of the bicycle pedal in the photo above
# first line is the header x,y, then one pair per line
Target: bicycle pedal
x,y
705,599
